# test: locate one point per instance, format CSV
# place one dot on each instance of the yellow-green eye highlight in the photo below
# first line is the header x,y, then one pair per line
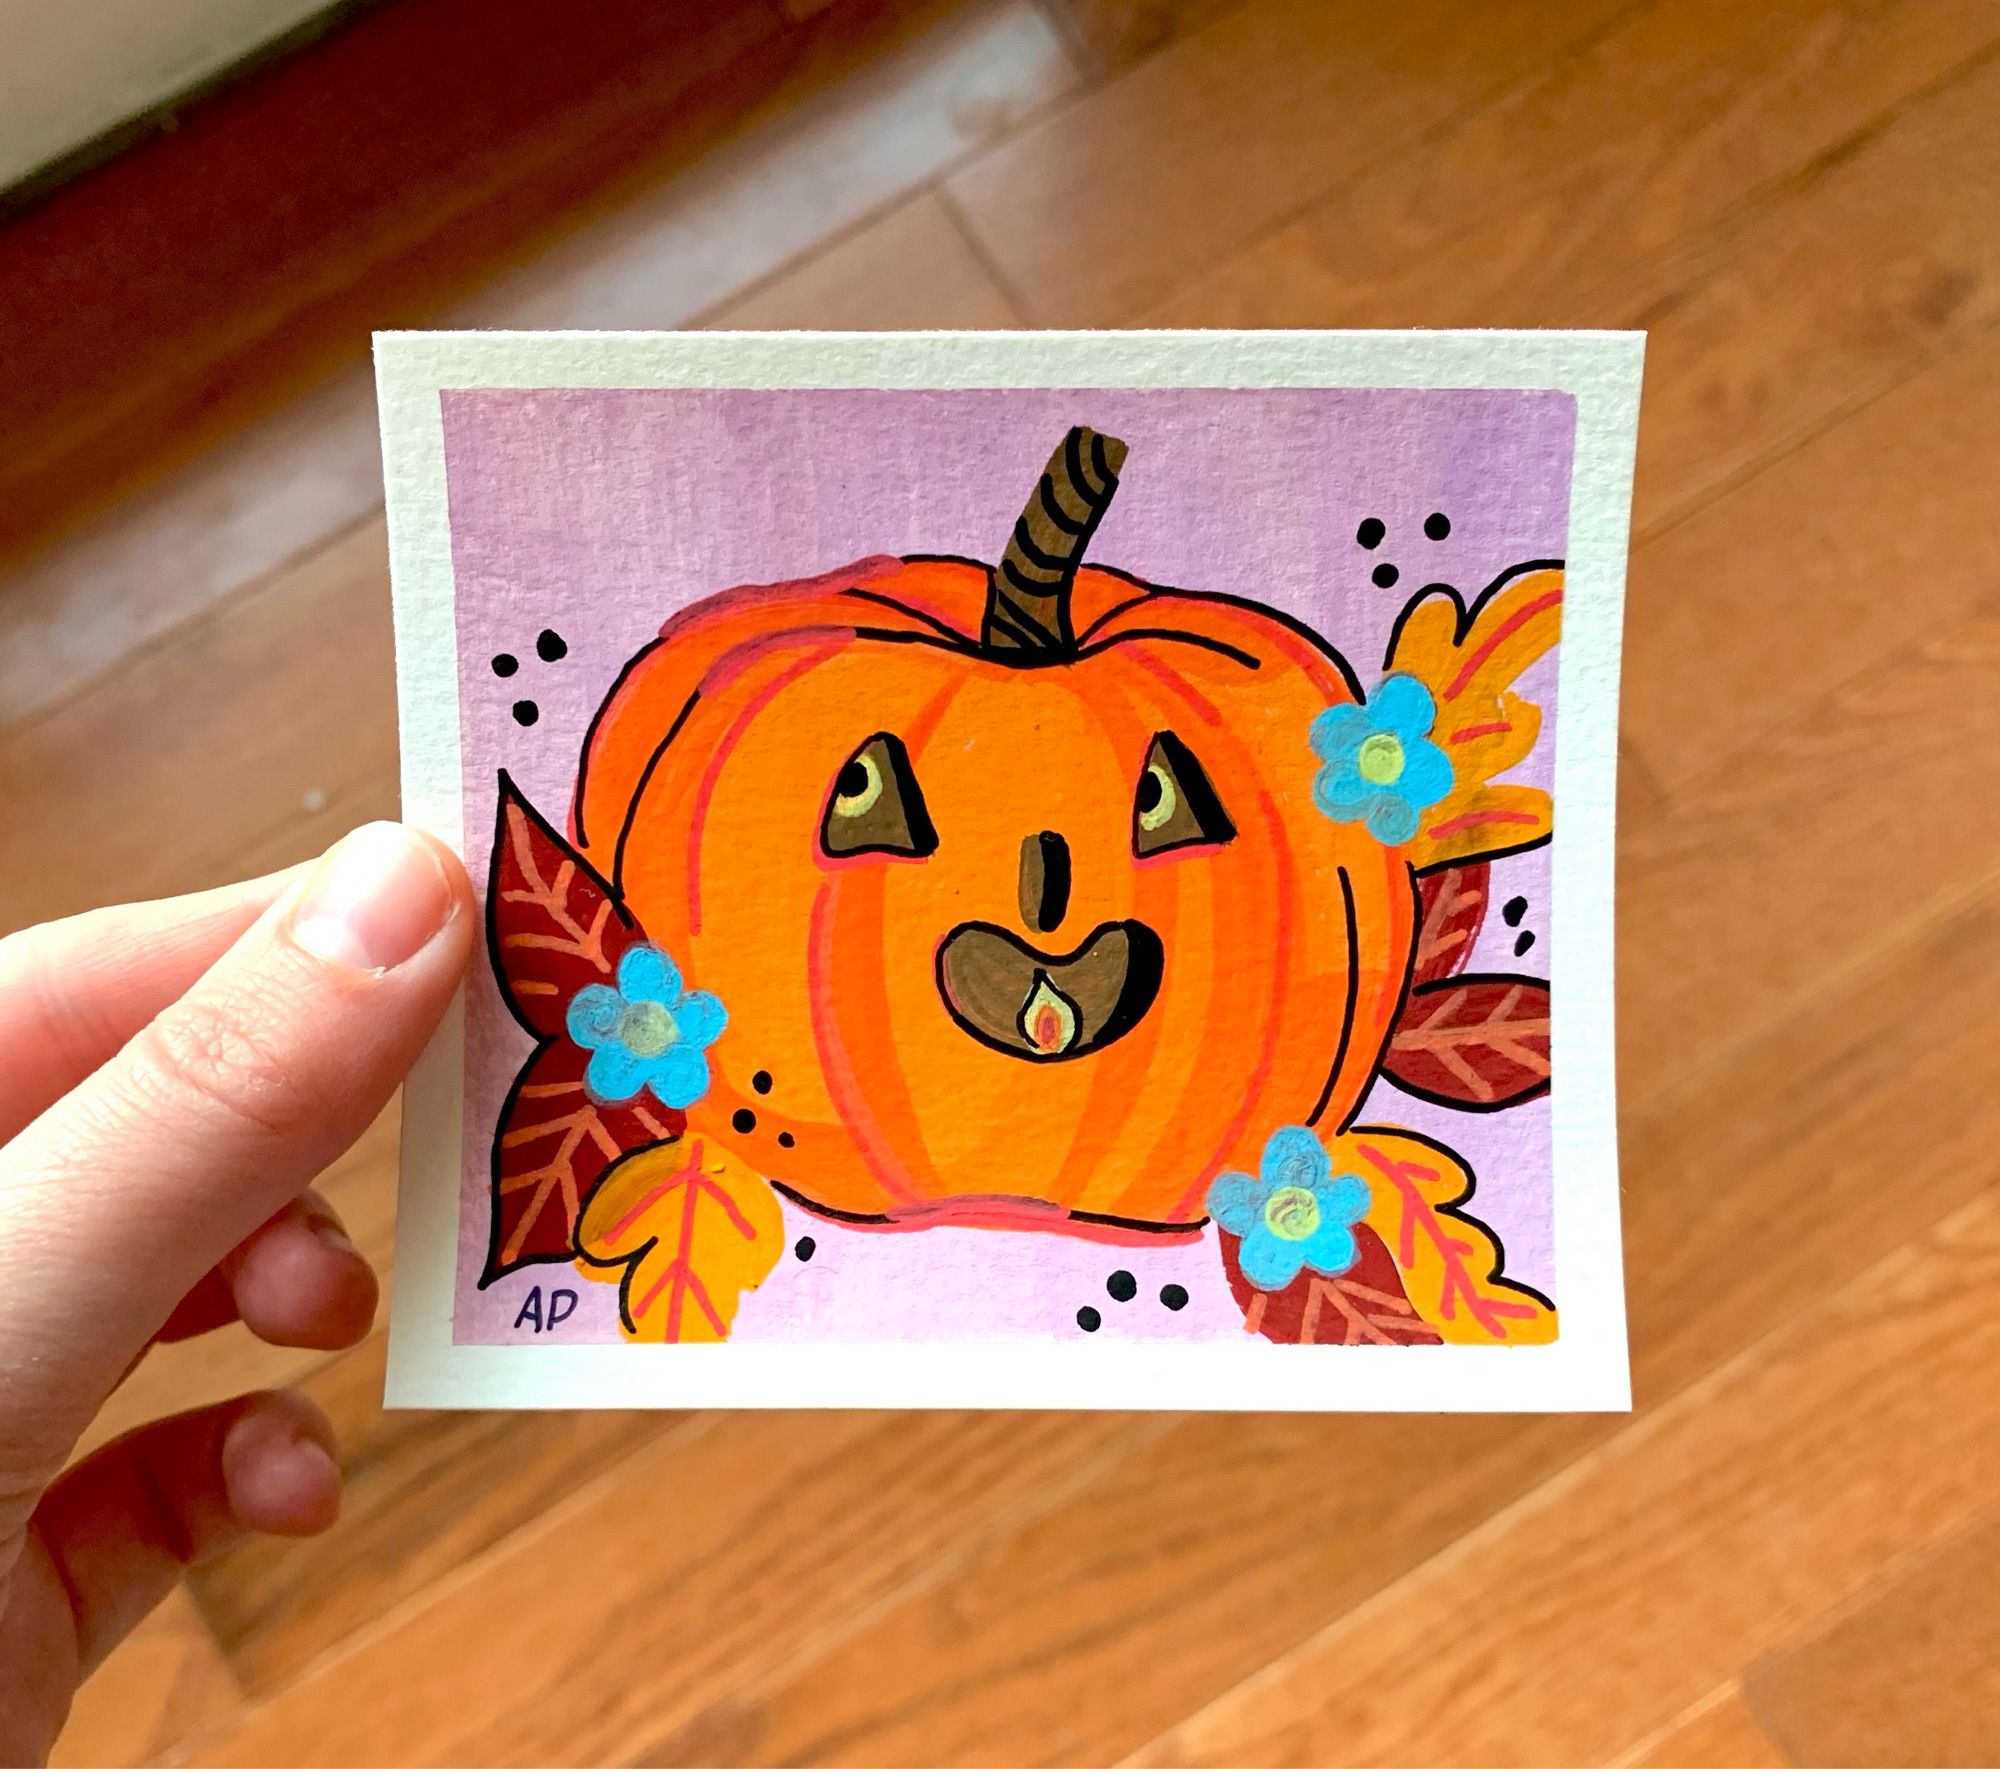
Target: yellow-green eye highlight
x,y
1175,804
859,787
876,805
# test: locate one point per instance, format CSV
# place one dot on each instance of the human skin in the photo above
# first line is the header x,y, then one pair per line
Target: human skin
x,y
172,1078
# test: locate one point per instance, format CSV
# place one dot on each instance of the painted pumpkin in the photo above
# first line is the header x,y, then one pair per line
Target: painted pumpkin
x,y
1010,876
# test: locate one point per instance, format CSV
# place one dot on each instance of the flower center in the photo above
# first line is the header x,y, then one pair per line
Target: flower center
x,y
647,1028
1291,1213
1380,760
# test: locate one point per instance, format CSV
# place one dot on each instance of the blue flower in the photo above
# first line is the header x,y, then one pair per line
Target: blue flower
x,y
1298,1212
1381,767
647,1032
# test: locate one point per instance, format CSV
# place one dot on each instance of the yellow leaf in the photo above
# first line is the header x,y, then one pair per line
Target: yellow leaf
x,y
687,1229
1468,658
1450,1261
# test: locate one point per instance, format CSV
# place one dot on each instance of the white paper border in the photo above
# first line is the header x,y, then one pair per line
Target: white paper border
x,y
1584,1370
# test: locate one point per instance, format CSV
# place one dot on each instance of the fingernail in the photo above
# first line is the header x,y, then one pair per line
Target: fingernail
x,y
328,1232
279,1475
377,900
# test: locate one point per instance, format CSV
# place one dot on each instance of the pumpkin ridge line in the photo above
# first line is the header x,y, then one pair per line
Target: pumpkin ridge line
x,y
890,602
1201,640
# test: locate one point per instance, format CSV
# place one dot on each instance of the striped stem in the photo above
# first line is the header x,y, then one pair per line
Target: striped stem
x,y
1027,601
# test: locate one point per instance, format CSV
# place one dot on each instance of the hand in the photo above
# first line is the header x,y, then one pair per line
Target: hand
x,y
172,1077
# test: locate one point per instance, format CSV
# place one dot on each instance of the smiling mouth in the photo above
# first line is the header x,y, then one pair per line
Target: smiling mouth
x,y
1044,1007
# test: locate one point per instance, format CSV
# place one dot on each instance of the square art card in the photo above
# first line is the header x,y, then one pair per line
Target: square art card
x,y
1017,870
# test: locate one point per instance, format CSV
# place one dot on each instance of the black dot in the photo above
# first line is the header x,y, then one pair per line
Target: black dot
x,y
761,1081
1437,525
1371,531
806,1247
1089,1319
786,1139
1149,791
506,664
1522,944
550,646
526,712
1122,1285
1174,1297
1516,908
1385,574
743,1120
853,781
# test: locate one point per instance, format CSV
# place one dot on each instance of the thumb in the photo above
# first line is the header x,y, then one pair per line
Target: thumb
x,y
117,1200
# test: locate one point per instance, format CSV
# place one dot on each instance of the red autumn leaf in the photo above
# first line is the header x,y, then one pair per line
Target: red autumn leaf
x,y
550,1148
552,927
1365,1305
1451,909
552,924
1475,1043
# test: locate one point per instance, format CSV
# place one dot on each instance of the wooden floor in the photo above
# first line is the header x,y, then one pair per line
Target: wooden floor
x,y
1791,1554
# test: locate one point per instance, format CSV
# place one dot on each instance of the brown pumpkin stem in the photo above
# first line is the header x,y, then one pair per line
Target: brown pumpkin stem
x,y
1027,600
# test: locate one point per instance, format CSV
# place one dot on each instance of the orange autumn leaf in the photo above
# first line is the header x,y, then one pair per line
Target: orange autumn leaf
x,y
1469,658
687,1228
1450,1262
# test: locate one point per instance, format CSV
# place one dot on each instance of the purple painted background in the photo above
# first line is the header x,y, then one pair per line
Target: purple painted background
x,y
601,513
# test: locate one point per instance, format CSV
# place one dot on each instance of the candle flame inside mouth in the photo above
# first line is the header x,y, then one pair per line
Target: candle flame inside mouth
x,y
1048,1018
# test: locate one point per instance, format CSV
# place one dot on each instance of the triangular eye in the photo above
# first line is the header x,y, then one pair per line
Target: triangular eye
x,y
1175,807
876,806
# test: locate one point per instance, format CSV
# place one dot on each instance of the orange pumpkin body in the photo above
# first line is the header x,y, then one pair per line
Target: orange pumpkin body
x,y
844,1074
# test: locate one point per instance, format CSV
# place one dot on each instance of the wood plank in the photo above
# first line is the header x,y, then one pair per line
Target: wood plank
x,y
1688,1606
1757,1182
1910,1675
1836,555
427,1493
1095,214
910,269
168,1680
949,79
236,745
1723,168
250,506
1651,134
1722,1732
1798,856
1115,33
1081,1638
703,1559
1768,331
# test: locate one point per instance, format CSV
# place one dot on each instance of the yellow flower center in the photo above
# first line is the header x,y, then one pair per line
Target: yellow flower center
x,y
1291,1213
647,1029
1380,761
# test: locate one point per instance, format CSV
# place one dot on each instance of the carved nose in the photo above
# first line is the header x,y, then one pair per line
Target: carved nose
x,y
1044,881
